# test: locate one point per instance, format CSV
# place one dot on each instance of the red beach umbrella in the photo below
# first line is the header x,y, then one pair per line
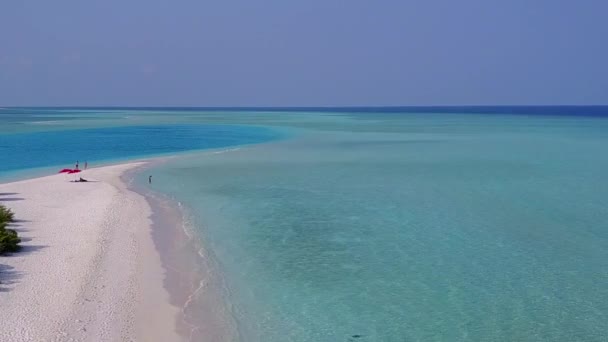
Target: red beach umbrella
x,y
73,171
65,171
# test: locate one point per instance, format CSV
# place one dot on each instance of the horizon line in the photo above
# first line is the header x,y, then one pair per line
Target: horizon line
x,y
320,107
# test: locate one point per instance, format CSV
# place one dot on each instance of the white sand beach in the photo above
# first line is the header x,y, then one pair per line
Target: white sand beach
x,y
89,270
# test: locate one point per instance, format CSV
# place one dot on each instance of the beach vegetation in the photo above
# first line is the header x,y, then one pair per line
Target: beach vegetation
x,y
6,215
9,239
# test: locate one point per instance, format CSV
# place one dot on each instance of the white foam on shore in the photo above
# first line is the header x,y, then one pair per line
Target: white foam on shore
x,y
227,150
194,285
88,270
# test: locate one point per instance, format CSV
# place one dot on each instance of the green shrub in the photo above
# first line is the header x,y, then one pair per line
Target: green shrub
x,y
6,215
9,241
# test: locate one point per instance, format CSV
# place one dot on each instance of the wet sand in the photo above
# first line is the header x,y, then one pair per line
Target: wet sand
x,y
193,283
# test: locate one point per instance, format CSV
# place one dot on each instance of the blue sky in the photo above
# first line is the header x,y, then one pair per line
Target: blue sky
x,y
302,53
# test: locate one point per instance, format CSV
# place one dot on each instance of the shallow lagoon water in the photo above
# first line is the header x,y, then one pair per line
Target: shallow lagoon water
x,y
410,228
402,227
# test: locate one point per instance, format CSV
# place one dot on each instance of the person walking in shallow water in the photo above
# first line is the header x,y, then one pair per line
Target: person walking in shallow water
x,y
86,164
149,179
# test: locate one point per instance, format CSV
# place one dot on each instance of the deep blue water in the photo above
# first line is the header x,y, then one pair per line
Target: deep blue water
x,y
64,147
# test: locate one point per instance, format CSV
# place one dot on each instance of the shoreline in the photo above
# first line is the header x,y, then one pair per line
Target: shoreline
x,y
192,282
12,176
89,269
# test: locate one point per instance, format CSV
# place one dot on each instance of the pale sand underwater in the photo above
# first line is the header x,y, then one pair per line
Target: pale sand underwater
x,y
88,270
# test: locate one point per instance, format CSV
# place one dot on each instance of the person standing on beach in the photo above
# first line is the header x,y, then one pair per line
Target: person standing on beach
x,y
86,164
77,165
149,179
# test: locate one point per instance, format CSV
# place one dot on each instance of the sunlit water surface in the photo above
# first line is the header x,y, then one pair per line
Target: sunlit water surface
x,y
398,227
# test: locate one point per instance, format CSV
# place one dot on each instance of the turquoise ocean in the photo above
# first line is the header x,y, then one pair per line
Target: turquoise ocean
x,y
369,224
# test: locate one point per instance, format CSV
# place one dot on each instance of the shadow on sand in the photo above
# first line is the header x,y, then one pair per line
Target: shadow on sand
x,y
9,199
30,249
8,277
17,221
